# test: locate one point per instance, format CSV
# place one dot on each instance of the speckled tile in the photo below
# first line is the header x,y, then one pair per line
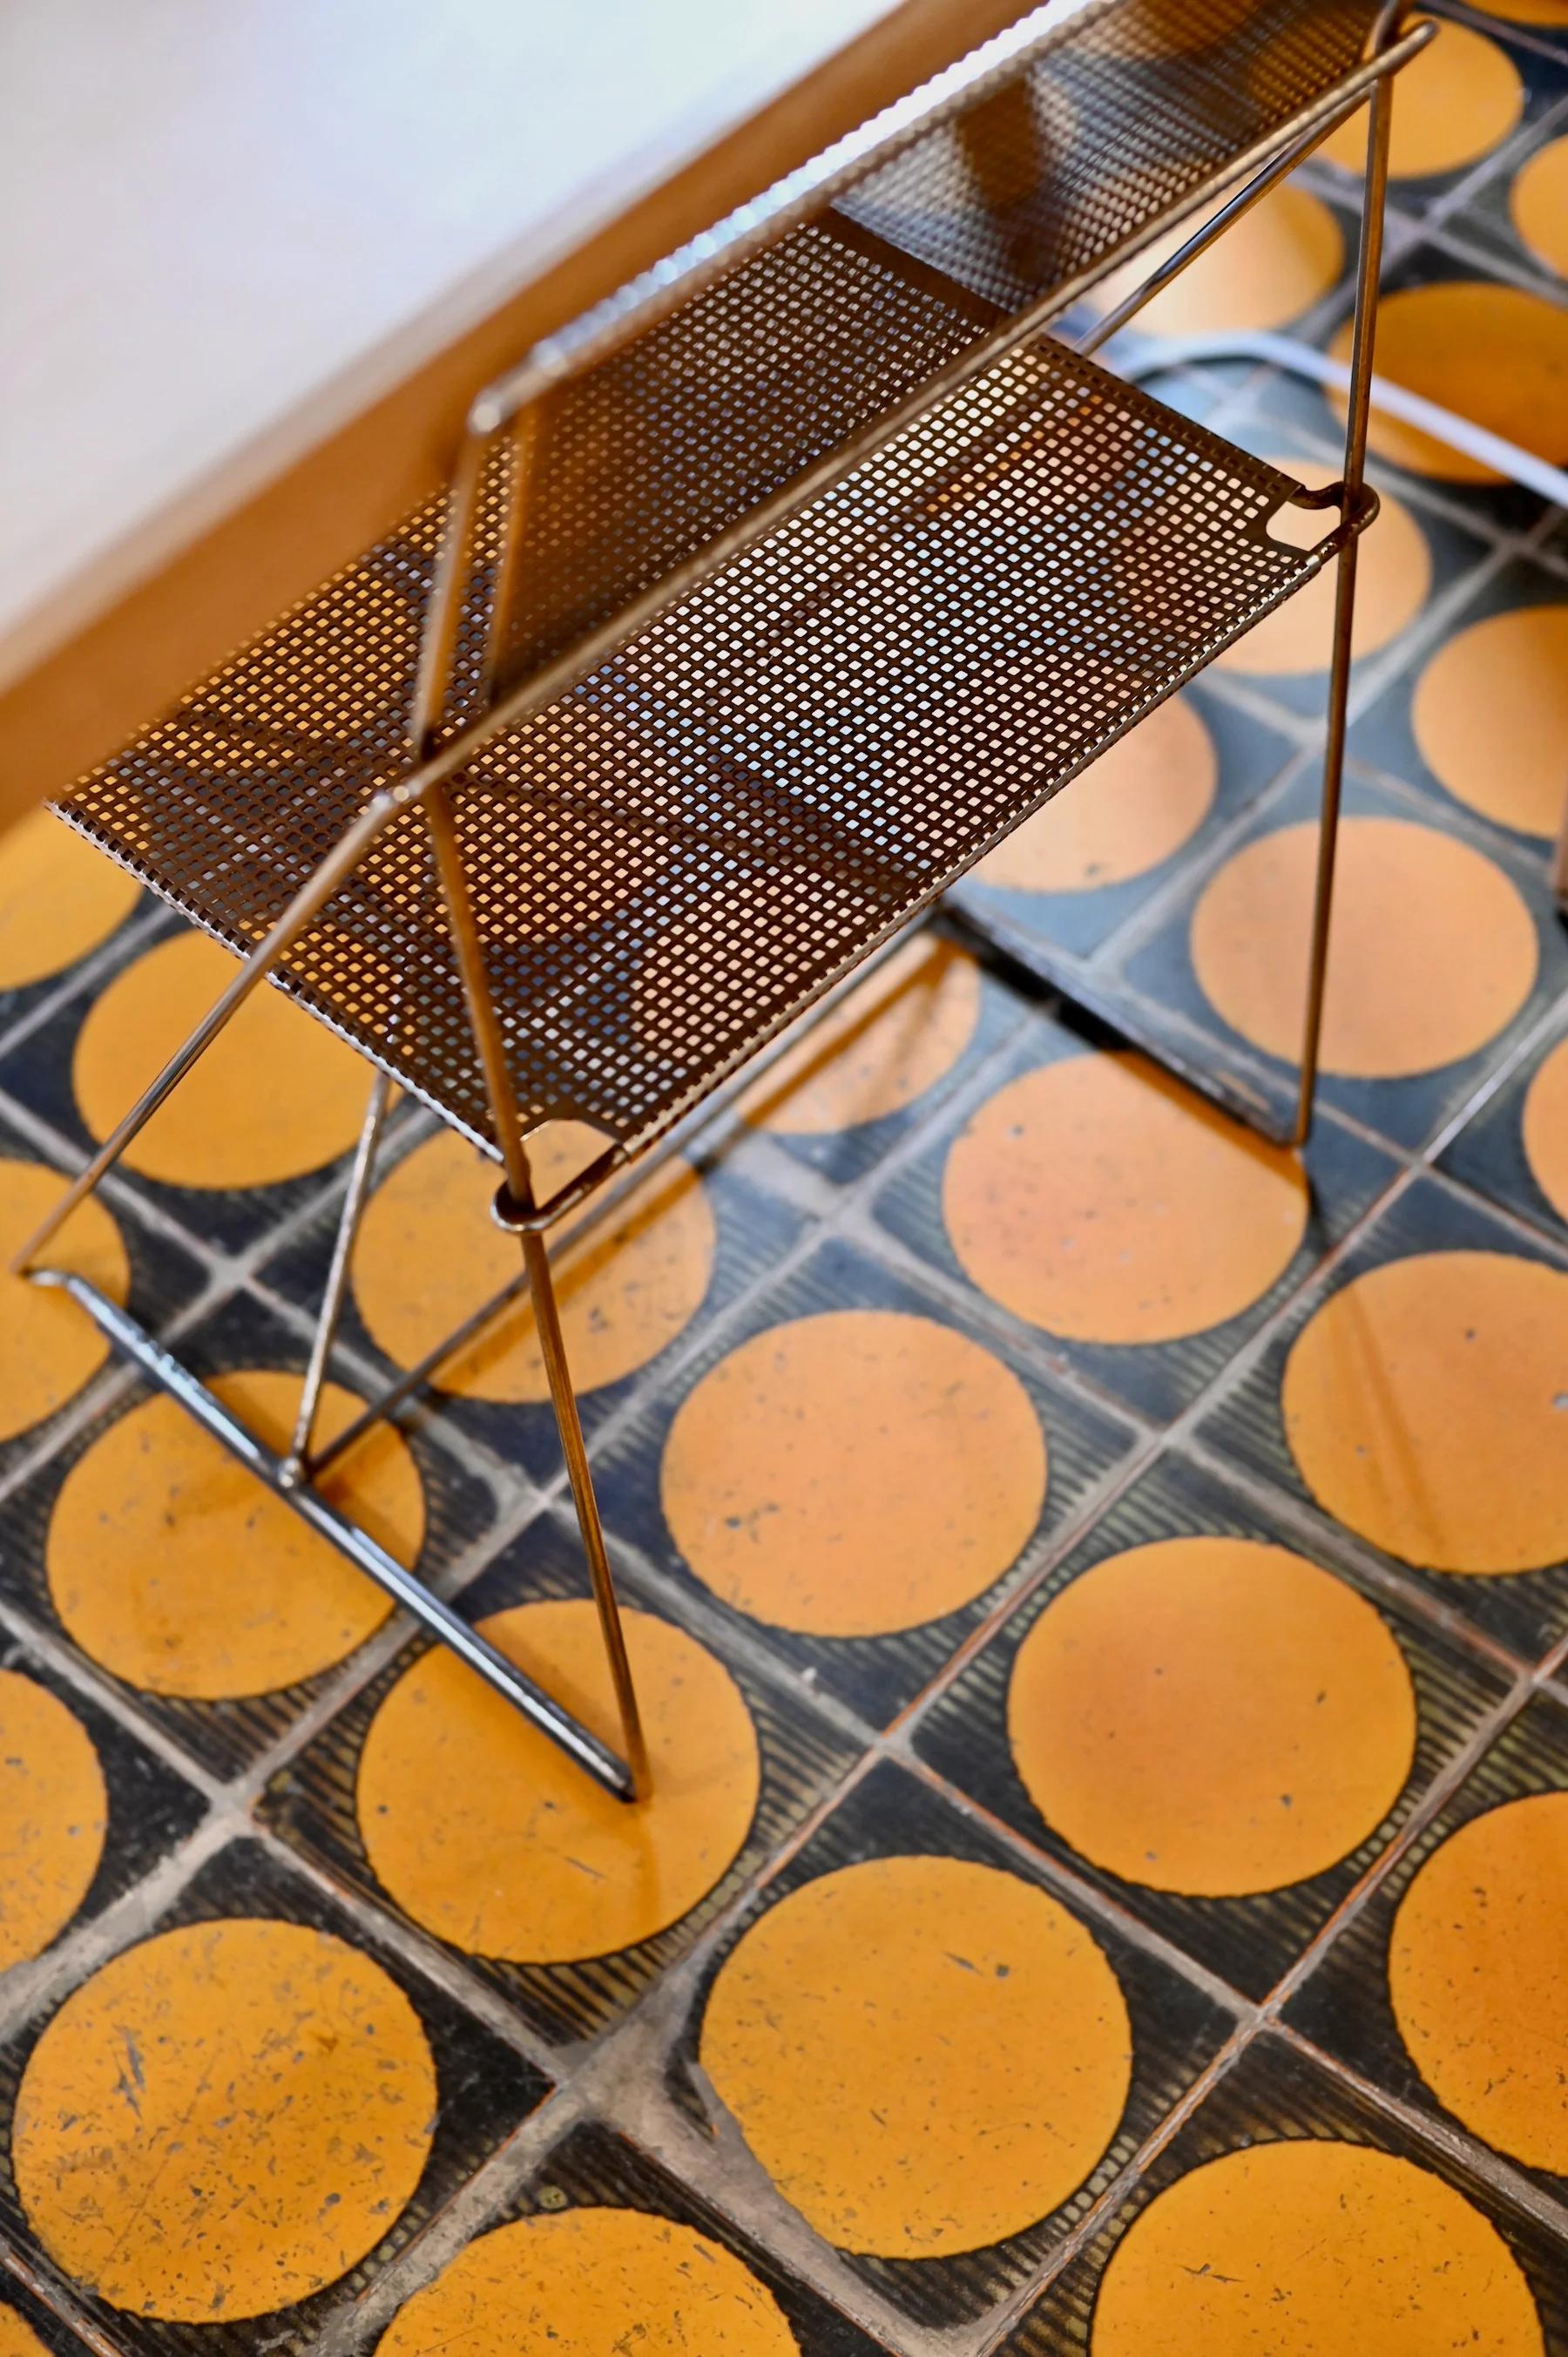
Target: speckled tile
x,y
1316,2204
1229,1771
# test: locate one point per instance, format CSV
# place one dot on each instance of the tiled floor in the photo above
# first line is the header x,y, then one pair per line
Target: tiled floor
x,y
1100,1589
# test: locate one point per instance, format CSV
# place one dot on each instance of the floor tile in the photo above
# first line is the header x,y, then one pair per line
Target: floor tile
x,y
169,2168
835,1430
426,1795
1403,1456
1140,1236
601,2248
1288,2206
1410,1031
1512,1150
52,1353
107,1549
1221,1730
1474,721
1444,1987
1060,2043
693,1238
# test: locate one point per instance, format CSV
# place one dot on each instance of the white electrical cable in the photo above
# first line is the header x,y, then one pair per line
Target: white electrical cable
x,y
1301,360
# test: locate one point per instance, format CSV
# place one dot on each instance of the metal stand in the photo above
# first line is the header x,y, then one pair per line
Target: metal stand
x,y
296,1475
1016,953
533,659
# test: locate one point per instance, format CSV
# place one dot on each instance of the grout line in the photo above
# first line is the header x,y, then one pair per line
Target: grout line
x,y
1481,2159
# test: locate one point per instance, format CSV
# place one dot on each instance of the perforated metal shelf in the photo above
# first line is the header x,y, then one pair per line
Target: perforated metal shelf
x,y
676,858
692,397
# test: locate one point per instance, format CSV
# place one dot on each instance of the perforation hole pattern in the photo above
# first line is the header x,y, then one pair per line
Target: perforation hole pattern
x,y
672,860
675,857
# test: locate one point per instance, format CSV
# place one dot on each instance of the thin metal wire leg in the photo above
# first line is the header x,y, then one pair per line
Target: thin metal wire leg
x,y
1368,272
307,904
298,1458
489,1039
564,1399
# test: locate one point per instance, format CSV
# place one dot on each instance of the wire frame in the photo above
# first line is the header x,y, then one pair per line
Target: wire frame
x,y
743,799
672,860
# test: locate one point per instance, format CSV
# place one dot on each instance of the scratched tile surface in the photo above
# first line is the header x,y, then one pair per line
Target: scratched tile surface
x,y
1099,1586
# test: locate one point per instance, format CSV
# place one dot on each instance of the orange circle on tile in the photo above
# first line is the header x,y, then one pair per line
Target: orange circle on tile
x,y
54,1813
429,1256
1311,2249
1475,1974
854,1473
1099,1198
1539,203
177,1570
1545,1129
1392,583
1131,812
275,1096
223,2119
1526,12
1272,264
1424,1406
1212,1715
1492,354
1490,715
1399,1001
879,1050
59,898
1459,98
588,2283
18,2338
925,2055
484,1832
50,1347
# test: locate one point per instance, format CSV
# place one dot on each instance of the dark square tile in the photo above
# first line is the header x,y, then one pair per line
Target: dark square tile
x,y
1409,1109
1411,2235
72,1851
418,1482
1523,1611
61,1357
1492,218
843,1476
276,2011
1247,756
911,1032
1398,731
99,916
38,1069
1539,86
892,1819
1505,507
1509,1150
717,1833
970,1735
600,2176
1473,1949
1191,1221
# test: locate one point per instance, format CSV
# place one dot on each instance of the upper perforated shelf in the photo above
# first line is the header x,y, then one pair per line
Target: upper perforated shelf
x,y
710,387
